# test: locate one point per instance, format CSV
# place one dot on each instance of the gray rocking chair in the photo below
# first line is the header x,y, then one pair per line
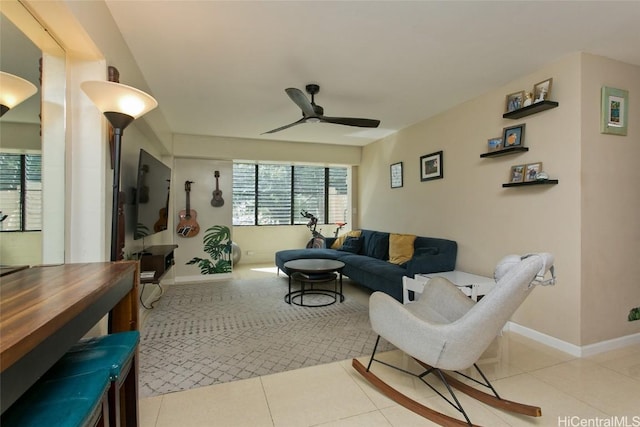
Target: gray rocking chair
x,y
445,330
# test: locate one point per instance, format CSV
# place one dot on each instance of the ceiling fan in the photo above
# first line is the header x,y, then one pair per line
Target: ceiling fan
x,y
313,113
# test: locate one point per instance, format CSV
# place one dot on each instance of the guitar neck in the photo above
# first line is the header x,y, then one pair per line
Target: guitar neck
x,y
187,190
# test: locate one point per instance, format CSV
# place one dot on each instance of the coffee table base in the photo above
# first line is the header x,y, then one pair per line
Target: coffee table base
x,y
297,297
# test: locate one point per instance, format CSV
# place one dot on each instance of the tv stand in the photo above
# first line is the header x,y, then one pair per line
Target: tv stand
x,y
159,259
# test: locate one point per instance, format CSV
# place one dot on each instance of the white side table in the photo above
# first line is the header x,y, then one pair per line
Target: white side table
x,y
472,285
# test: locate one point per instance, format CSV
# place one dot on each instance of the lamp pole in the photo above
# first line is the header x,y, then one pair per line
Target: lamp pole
x,y
118,130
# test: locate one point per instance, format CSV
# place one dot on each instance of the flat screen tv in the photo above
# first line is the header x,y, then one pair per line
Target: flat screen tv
x,y
152,196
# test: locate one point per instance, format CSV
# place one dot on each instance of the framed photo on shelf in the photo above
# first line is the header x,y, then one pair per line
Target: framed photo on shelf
x,y
494,144
431,166
517,173
531,171
513,136
396,175
514,101
542,90
614,111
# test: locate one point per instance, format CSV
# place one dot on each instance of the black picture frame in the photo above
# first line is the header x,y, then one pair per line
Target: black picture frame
x,y
431,166
396,175
513,136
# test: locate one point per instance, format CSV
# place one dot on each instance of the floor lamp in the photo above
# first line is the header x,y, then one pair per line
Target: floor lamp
x,y
13,90
121,104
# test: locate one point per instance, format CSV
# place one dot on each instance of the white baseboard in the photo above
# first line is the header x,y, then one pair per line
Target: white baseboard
x,y
572,349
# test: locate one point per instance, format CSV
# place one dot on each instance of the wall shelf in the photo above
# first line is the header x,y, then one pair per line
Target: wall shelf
x,y
158,259
530,109
505,151
524,184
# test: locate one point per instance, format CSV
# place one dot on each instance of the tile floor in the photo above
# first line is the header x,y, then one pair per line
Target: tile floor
x,y
602,389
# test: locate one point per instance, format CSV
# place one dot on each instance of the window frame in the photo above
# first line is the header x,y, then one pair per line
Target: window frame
x,y
24,190
294,218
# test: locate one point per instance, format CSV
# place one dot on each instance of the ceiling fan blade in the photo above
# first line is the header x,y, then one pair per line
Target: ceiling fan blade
x,y
350,121
301,101
302,120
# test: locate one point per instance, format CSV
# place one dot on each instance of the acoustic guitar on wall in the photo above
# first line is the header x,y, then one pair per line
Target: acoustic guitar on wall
x,y
217,200
188,226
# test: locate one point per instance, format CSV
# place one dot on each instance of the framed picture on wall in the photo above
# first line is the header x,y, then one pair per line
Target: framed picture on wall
x,y
614,111
513,136
431,166
396,175
542,90
517,173
531,171
494,144
514,101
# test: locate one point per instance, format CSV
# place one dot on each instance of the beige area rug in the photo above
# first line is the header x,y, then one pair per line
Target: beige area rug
x,y
211,333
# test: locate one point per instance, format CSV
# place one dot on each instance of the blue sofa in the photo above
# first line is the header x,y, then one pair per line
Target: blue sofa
x,y
369,266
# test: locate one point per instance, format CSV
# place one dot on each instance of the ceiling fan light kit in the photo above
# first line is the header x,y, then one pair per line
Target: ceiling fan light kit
x,y
314,113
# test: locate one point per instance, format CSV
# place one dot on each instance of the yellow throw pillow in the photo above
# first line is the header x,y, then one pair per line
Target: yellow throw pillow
x,y
400,248
337,244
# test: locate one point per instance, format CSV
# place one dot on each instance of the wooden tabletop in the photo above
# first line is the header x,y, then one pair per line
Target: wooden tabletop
x,y
45,310
36,301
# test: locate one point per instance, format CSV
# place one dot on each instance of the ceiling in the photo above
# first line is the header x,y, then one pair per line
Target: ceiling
x,y
220,67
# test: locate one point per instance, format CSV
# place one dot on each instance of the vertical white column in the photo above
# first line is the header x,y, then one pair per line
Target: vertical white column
x,y
88,188
53,155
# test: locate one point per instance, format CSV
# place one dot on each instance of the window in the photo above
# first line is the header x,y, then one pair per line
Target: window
x,y
276,194
21,192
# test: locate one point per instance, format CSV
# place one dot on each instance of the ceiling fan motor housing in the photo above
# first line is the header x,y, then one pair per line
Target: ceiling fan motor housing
x,y
312,89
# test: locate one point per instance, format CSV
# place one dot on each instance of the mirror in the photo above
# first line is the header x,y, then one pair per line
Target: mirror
x,y
35,127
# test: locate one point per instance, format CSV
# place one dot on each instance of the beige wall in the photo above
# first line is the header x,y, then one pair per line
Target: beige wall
x,y
589,220
610,206
470,206
201,172
257,150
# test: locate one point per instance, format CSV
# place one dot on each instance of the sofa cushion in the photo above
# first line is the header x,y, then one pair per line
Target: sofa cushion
x,y
337,243
375,244
400,247
427,260
351,244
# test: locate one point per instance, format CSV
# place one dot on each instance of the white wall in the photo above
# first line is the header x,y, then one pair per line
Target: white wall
x,y
201,172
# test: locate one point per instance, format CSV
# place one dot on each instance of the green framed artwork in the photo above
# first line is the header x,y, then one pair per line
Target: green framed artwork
x,y
615,105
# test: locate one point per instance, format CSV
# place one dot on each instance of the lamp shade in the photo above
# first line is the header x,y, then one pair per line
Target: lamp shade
x,y
111,97
14,90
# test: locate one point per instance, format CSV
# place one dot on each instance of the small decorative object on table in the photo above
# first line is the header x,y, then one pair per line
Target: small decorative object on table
x,y
542,176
